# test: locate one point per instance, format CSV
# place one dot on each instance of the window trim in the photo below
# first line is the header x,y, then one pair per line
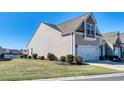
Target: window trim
x,y
88,38
90,28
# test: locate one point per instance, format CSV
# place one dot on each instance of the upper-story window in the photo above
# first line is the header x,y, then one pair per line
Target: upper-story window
x,y
90,29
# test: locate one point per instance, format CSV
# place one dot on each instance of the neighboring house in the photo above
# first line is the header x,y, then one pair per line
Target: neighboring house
x,y
79,37
3,51
114,43
23,51
11,53
14,52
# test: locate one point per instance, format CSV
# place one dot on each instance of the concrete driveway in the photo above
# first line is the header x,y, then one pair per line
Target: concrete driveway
x,y
108,64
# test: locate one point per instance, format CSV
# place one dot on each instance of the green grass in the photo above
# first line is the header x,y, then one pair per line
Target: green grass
x,y
24,69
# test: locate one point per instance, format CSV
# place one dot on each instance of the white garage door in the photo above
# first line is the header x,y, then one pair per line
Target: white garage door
x,y
88,52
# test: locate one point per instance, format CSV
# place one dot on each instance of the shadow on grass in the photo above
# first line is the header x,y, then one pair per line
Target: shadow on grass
x,y
5,59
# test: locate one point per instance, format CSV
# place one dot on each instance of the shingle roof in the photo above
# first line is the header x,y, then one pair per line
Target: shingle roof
x,y
112,37
72,25
54,26
110,45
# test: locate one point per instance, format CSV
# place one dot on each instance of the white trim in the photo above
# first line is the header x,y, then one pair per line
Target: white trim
x,y
98,36
88,46
95,31
80,33
73,46
90,27
91,39
85,28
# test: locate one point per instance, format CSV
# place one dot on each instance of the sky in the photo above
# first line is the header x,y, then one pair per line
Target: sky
x,y
17,28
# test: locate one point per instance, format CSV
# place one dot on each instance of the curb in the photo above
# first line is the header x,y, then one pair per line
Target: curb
x,y
82,77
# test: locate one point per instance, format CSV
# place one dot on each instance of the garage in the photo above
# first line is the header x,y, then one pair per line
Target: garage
x,y
88,52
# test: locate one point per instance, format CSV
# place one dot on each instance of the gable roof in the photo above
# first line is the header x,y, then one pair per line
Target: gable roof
x,y
110,45
72,25
112,37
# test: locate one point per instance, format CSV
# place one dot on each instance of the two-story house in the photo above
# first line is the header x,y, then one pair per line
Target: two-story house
x,y
79,36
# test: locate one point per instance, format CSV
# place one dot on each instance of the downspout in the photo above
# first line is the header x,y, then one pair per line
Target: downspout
x,y
73,44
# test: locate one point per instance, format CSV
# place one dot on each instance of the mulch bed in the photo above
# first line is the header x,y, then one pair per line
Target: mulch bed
x,y
68,64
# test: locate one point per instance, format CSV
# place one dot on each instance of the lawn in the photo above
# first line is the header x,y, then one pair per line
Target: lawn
x,y
26,69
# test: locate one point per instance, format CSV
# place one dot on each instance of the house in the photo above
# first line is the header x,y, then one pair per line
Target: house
x,y
79,37
3,51
114,44
11,53
15,52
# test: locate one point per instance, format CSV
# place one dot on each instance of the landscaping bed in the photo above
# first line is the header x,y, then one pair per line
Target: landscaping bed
x,y
29,69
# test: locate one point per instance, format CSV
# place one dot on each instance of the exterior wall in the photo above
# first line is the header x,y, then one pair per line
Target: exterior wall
x,y
79,40
117,52
47,39
108,50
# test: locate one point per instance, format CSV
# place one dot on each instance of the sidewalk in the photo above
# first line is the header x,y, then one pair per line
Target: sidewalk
x,y
117,66
81,77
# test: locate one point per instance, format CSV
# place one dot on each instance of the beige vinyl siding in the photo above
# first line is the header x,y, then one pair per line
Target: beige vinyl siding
x,y
47,39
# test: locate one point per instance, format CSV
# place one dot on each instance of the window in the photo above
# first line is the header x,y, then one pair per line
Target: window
x,y
90,28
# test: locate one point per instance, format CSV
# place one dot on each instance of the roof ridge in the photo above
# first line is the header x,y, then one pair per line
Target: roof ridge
x,y
111,32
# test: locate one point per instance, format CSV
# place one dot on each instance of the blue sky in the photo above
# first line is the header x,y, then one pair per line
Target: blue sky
x,y
16,29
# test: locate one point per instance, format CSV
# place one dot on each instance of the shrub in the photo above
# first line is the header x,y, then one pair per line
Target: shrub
x,y
21,56
51,57
63,58
70,58
34,56
113,58
29,57
41,57
122,60
24,56
78,60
